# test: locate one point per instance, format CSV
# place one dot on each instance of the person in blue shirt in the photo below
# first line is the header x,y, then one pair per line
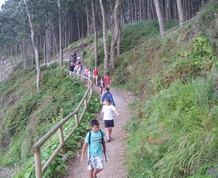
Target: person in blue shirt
x,y
94,140
107,95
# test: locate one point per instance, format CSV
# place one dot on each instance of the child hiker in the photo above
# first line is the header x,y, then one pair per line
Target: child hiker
x,y
108,118
94,140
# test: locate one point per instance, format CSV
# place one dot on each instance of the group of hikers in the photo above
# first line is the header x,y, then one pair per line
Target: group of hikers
x,y
96,138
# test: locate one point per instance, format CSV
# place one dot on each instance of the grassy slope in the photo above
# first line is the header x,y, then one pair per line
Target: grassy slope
x,y
27,115
173,131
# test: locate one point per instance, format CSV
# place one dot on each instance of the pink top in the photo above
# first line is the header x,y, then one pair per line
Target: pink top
x,y
95,72
107,79
86,70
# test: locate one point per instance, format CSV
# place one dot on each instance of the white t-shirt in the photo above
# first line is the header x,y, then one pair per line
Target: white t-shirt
x,y
108,112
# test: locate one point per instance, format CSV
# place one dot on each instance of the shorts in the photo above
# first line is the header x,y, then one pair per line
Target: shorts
x,y
95,76
108,123
95,162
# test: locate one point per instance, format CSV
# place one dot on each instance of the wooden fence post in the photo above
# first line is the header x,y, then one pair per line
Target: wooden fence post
x,y
61,138
76,120
38,167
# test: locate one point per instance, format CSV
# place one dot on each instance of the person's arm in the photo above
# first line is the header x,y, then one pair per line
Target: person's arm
x,y
116,113
102,109
85,145
102,99
104,146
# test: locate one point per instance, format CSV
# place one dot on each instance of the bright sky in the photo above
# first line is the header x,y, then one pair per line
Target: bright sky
x,y
1,2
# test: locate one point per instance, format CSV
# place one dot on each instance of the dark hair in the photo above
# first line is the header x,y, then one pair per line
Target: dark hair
x,y
108,100
94,122
107,89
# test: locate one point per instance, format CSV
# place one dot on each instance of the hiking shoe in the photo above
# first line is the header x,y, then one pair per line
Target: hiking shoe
x,y
107,140
111,139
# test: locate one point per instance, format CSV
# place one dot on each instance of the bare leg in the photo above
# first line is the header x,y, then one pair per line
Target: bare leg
x,y
91,173
96,171
110,131
107,132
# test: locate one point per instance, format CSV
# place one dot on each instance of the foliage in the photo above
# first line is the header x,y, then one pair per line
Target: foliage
x,y
173,131
27,114
180,138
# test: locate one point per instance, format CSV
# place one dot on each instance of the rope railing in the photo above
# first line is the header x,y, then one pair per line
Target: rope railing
x,y
78,115
164,34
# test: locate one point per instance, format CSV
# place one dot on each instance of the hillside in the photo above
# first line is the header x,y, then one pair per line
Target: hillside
x,y
26,115
173,128
173,131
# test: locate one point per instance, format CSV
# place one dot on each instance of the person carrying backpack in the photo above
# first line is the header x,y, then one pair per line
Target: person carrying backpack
x,y
94,140
107,95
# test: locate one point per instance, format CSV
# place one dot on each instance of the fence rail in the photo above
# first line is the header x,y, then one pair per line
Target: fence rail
x,y
78,114
162,35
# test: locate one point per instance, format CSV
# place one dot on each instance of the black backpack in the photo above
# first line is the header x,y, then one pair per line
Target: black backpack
x,y
102,138
102,142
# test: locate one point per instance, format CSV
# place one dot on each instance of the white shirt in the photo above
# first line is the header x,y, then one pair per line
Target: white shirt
x,y
108,112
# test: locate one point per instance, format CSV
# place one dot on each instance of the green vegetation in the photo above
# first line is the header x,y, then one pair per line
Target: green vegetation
x,y
27,115
173,131
132,35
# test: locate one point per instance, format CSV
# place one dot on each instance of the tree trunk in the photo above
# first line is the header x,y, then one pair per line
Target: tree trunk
x,y
38,75
115,31
60,34
180,12
159,16
106,66
87,20
95,34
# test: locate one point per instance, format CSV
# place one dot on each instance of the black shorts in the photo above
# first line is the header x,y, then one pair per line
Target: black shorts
x,y
109,123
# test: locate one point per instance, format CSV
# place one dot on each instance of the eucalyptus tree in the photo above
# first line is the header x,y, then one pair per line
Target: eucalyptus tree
x,y
180,12
95,32
36,51
104,29
115,30
60,34
159,16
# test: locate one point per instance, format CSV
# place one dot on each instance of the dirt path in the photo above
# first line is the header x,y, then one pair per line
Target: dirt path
x,y
114,168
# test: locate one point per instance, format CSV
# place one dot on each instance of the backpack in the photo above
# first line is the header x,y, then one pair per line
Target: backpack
x,y
89,140
102,141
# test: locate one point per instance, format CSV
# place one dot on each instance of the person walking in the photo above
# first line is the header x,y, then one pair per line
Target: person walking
x,y
94,140
101,85
107,95
108,118
95,75
107,79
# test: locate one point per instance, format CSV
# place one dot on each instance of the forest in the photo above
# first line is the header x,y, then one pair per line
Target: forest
x,y
175,72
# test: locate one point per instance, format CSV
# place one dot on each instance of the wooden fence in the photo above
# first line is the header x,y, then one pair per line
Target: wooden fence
x,y
78,116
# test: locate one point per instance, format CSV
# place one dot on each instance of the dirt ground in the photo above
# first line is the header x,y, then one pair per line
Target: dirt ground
x,y
114,167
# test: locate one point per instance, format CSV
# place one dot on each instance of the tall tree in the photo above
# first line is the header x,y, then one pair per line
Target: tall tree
x,y
36,51
95,33
159,16
180,12
115,30
60,33
106,64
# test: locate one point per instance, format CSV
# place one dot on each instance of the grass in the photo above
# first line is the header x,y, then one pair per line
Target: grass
x,y
173,130
27,115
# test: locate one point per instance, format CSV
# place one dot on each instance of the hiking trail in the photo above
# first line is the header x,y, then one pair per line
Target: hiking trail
x,y
114,167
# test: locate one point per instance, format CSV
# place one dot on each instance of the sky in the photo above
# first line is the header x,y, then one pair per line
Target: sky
x,y
1,2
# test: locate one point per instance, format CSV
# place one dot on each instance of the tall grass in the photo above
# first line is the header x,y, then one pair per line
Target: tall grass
x,y
27,115
173,130
177,134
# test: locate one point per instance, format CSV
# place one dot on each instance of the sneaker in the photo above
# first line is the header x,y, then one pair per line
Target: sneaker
x,y
107,141
111,139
